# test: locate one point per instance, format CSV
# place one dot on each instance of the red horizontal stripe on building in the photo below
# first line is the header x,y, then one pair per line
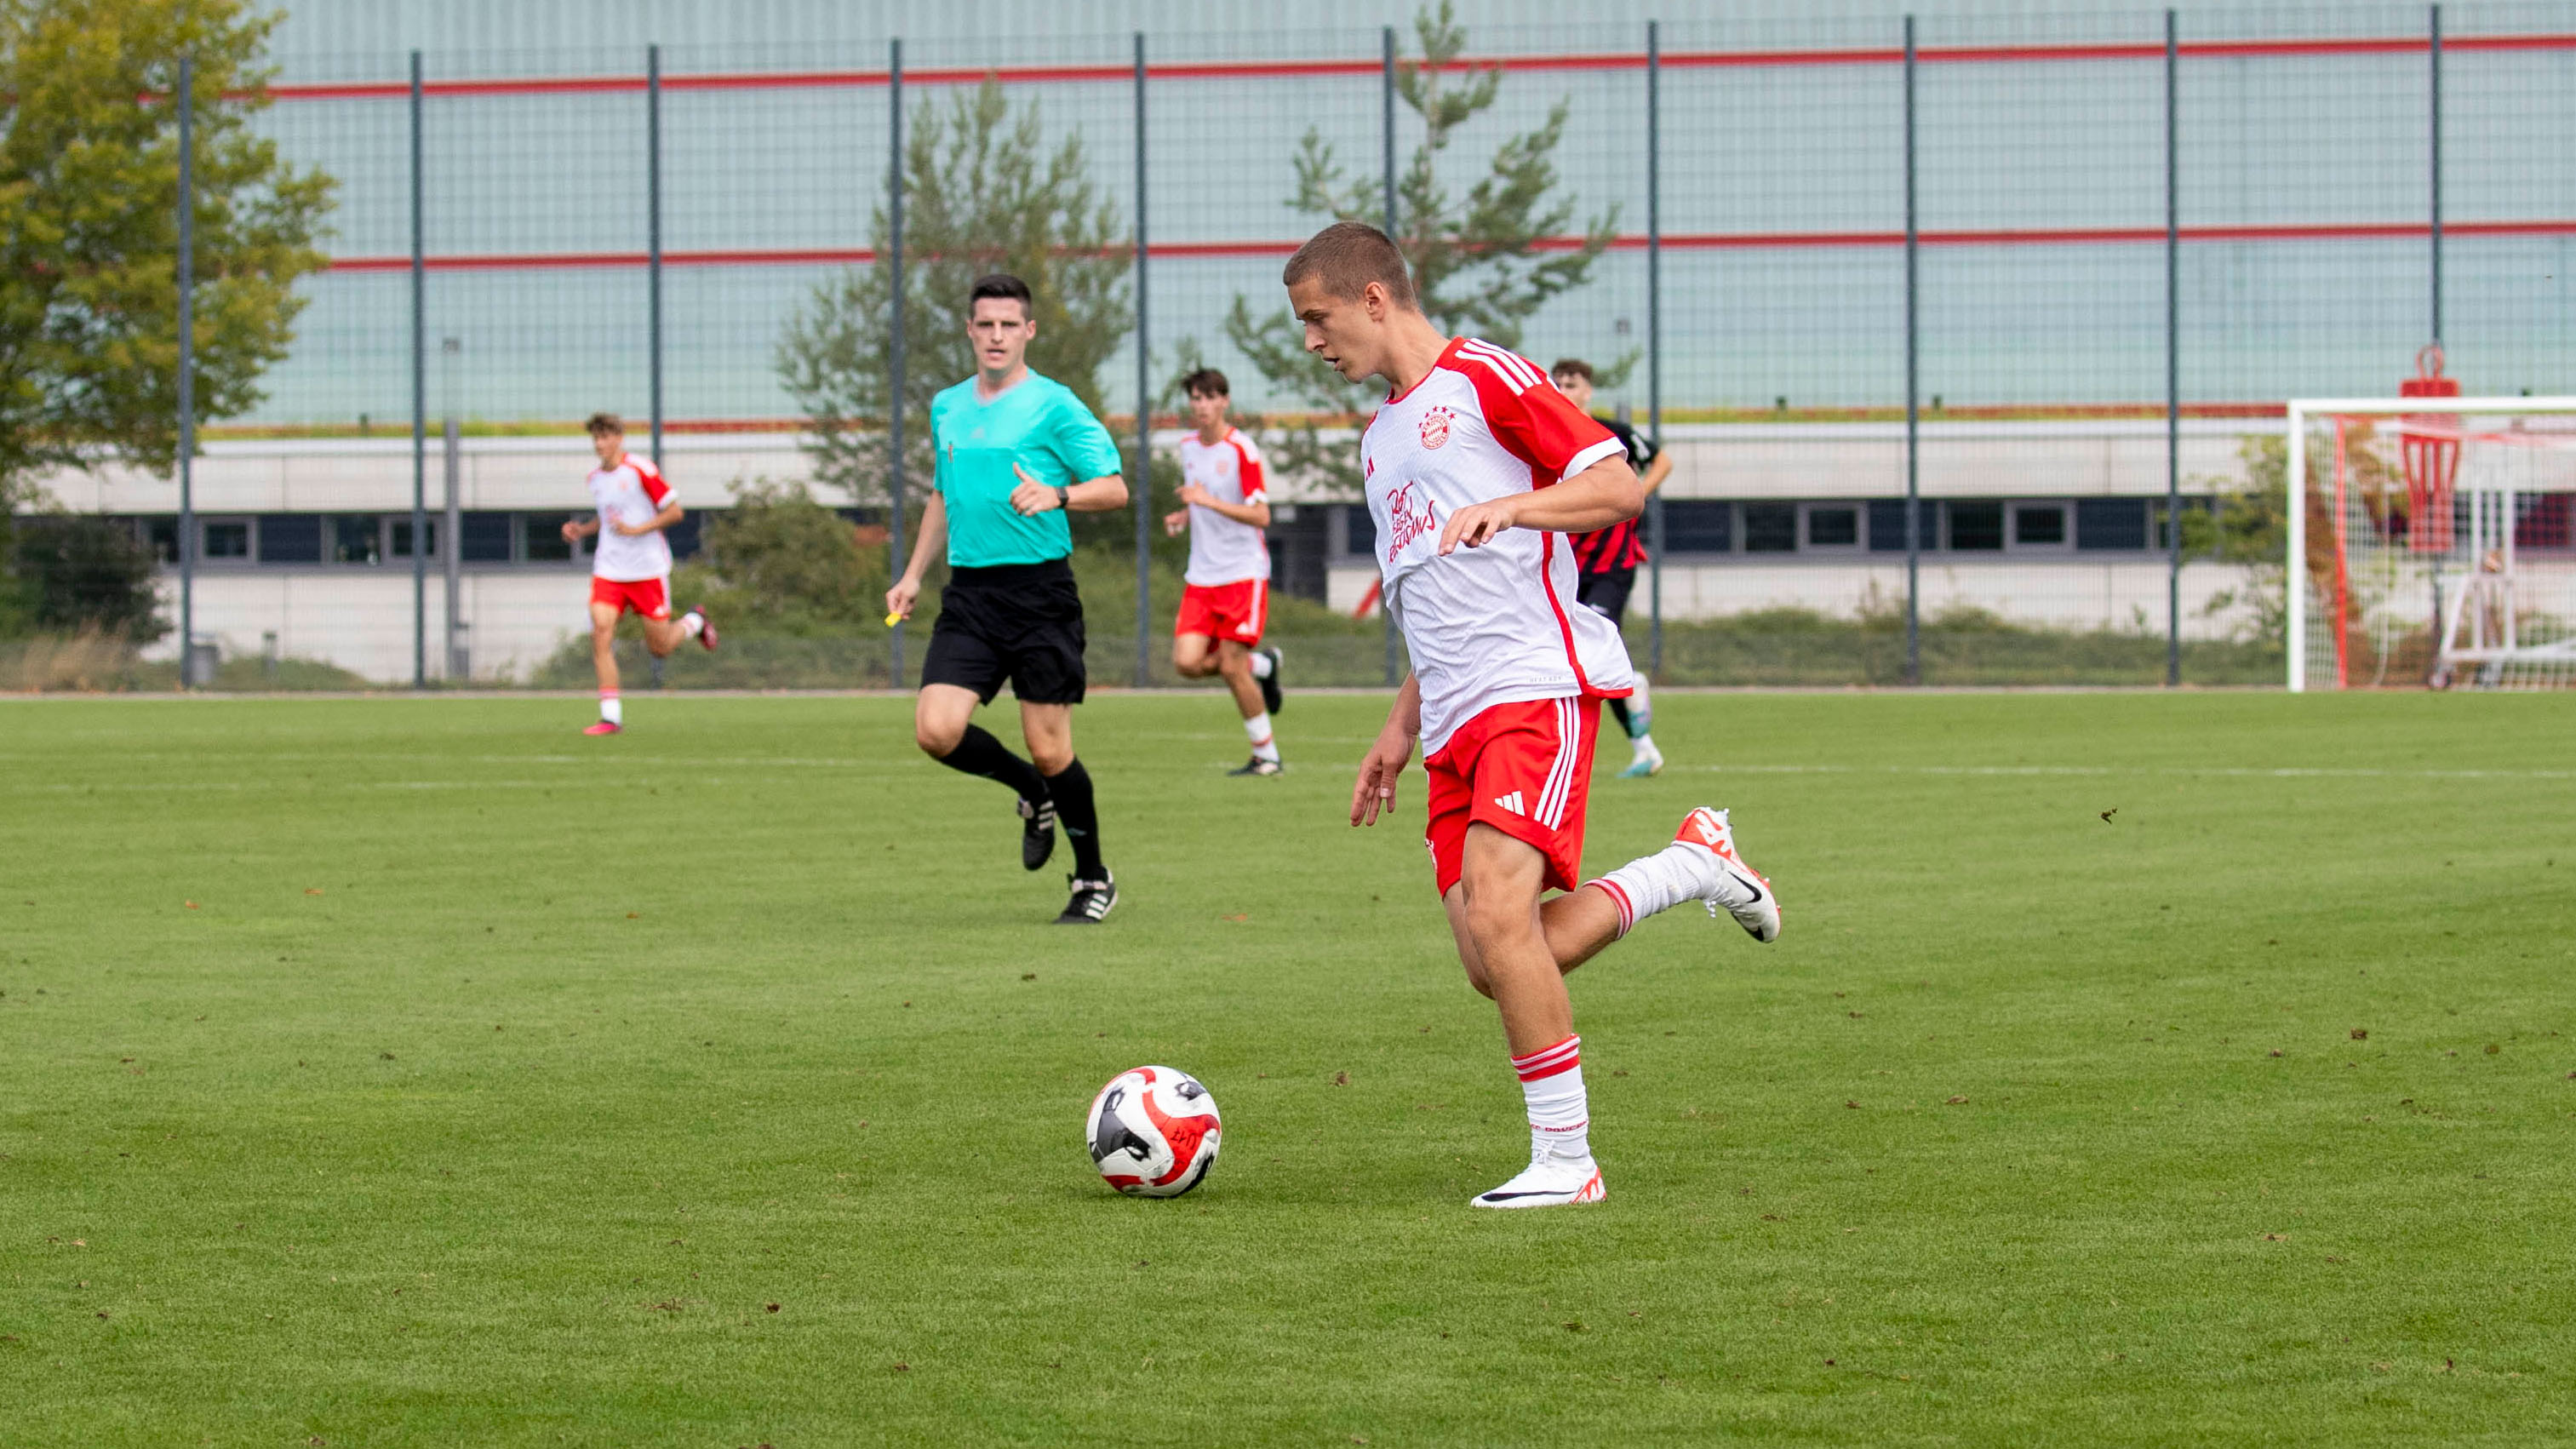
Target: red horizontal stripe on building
x,y
1293,69
1684,241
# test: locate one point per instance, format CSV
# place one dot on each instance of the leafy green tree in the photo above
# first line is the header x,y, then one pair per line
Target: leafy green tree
x,y
1478,257
89,167
781,562
77,571
982,193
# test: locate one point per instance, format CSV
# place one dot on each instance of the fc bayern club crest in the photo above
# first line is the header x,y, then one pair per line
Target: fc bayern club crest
x,y
1435,427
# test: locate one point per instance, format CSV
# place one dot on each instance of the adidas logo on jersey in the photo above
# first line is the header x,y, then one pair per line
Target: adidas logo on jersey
x,y
1512,802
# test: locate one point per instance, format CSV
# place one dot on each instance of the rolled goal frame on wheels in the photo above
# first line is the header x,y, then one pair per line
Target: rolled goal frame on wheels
x,y
2447,421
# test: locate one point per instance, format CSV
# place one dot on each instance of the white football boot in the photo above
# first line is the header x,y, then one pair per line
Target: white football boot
x,y
1549,1181
1737,888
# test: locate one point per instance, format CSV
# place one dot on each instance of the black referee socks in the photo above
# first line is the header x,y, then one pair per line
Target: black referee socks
x,y
1072,791
978,753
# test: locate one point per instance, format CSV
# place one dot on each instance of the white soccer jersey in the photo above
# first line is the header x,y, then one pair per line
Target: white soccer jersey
x,y
1497,624
633,491
1223,551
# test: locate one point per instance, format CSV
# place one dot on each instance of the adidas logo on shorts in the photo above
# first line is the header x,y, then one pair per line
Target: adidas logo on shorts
x,y
1512,802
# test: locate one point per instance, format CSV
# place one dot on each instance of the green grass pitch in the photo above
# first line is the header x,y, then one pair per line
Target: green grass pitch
x,y
392,1072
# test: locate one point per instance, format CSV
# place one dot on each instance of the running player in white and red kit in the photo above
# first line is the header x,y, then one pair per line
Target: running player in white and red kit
x,y
1225,597
1476,468
630,567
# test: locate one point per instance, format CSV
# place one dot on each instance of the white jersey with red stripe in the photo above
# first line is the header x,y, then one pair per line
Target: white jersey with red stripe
x,y
1496,624
1223,551
634,492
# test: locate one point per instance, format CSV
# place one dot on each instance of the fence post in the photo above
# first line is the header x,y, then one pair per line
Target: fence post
x,y
451,459
187,375
1655,338
2435,35
1386,140
894,330
419,409
1143,502
2173,360
1913,410
653,231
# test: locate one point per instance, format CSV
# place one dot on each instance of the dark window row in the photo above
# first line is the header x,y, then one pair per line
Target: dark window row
x,y
2036,526
363,540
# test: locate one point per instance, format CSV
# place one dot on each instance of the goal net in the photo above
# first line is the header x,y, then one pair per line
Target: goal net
x,y
2437,544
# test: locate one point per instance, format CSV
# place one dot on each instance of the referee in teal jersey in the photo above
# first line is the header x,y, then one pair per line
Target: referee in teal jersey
x,y
1016,452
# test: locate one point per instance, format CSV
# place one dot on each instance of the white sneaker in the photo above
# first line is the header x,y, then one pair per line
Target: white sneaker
x,y
1739,889
1549,1181
1644,760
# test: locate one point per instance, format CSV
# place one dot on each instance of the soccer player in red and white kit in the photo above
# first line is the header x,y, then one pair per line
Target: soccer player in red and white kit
x,y
630,567
1476,467
1225,597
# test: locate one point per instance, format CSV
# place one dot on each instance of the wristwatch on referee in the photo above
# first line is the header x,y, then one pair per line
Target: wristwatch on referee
x,y
1063,499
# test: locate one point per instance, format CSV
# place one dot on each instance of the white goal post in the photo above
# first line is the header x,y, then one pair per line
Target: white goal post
x,y
2476,623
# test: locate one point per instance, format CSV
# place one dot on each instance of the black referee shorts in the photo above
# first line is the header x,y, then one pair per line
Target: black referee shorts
x,y
1015,622
1606,593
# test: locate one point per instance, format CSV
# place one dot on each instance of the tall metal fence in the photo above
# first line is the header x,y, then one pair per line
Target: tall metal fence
x,y
1950,323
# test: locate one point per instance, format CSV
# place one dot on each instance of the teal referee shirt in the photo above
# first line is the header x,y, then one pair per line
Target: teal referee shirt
x,y
1038,424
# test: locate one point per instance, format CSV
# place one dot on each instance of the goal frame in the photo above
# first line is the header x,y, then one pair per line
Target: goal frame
x,y
2301,411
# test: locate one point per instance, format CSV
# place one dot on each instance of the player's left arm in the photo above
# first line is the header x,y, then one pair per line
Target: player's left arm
x,y
1601,495
1089,455
1659,466
665,502
671,513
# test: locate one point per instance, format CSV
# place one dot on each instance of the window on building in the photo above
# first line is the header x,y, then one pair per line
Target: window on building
x,y
1359,531
161,535
485,538
1976,526
2039,525
223,539
290,538
1700,525
401,531
541,537
357,538
1833,525
2103,524
1887,525
1770,528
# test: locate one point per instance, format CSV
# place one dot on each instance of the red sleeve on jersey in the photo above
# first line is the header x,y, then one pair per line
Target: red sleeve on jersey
x,y
1526,414
651,477
1250,485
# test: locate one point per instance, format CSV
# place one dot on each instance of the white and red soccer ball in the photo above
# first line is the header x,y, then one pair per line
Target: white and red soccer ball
x,y
1153,1132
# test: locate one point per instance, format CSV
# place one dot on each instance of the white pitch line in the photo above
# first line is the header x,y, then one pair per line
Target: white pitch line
x,y
2220,771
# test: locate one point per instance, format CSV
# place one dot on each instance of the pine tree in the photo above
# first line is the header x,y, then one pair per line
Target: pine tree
x,y
1479,259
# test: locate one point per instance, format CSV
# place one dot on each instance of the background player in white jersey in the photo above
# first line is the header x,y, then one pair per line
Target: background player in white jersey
x,y
1476,468
1225,597
630,567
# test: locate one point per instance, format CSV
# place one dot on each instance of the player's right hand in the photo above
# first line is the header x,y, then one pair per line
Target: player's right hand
x,y
901,598
1373,793
1175,522
571,531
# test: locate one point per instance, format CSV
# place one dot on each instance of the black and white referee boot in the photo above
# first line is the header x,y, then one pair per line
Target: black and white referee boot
x,y
1091,900
1037,832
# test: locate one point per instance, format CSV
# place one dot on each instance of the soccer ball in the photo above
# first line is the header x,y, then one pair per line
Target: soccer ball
x,y
1153,1132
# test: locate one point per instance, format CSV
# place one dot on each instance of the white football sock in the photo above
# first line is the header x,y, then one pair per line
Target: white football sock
x,y
611,708
691,623
1552,1085
1679,872
1260,665
1265,745
1641,711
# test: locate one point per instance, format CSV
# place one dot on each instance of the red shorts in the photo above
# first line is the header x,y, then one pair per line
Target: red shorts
x,y
1523,769
648,597
1238,611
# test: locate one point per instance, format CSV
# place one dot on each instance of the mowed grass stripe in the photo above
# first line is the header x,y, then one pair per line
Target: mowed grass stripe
x,y
580,1068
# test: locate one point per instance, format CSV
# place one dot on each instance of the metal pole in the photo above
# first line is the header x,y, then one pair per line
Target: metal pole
x,y
1655,338
653,230
894,328
2436,168
419,410
451,558
2173,360
187,374
1913,410
2295,575
1143,502
1386,139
